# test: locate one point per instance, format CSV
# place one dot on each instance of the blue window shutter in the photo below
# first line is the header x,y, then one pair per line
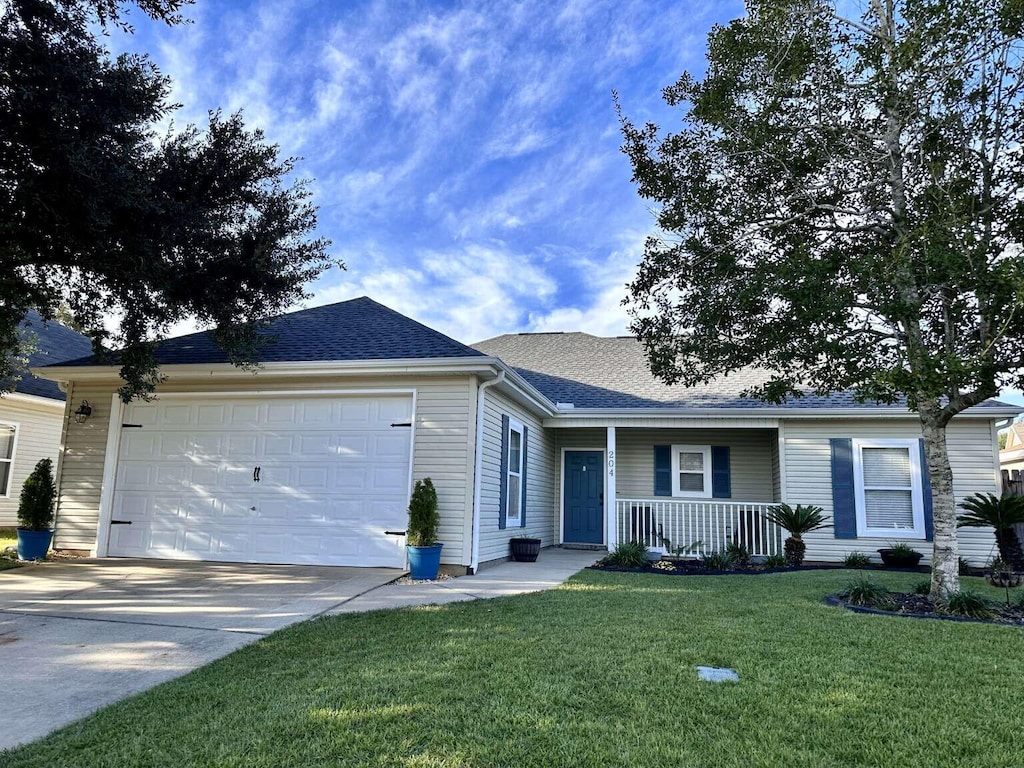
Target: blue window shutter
x,y
522,480
926,493
844,504
721,477
503,469
663,470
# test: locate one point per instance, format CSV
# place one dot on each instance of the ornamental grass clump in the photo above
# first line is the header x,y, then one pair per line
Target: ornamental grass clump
x,y
968,603
856,560
798,520
628,554
868,593
717,561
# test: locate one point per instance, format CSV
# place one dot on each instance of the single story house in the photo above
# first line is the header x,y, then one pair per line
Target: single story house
x,y
562,436
32,414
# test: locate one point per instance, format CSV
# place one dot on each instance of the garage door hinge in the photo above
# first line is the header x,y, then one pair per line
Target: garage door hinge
x,y
402,424
131,426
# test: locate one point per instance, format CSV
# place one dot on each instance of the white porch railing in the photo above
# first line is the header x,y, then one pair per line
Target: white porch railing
x,y
700,526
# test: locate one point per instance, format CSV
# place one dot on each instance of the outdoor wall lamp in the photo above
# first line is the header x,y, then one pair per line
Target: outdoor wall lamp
x,y
84,412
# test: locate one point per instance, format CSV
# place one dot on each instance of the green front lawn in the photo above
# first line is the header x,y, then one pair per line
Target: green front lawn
x,y
8,538
599,672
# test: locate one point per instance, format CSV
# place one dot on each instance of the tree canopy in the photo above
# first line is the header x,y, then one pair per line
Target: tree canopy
x,y
107,217
842,206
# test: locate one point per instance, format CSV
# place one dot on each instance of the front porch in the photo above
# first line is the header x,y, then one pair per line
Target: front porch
x,y
677,490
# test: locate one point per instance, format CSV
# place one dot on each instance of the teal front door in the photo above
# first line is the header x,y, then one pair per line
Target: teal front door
x,y
583,497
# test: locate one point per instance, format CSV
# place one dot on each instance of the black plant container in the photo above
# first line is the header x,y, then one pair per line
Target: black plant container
x,y
524,550
893,559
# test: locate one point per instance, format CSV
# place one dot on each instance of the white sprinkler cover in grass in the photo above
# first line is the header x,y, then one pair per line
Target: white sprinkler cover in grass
x,y
717,674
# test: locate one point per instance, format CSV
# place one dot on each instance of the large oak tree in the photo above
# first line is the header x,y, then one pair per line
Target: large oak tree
x,y
103,215
842,204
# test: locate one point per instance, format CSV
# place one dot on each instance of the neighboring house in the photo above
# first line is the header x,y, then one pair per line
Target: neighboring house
x,y
1011,457
31,416
566,437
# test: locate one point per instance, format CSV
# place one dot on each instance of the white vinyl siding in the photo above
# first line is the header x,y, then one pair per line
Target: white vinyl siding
x,y
541,509
808,467
442,448
38,437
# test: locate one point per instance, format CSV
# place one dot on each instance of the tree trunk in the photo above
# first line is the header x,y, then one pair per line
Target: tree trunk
x,y
945,553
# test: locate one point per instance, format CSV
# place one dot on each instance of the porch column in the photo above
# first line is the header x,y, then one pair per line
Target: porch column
x,y
611,532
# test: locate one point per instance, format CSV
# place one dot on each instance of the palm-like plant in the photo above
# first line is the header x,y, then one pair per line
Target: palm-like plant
x,y
798,520
986,510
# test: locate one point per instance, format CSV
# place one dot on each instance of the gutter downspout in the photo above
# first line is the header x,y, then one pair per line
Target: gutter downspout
x,y
478,467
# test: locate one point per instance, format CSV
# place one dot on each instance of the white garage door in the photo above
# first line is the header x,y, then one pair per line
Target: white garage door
x,y
303,480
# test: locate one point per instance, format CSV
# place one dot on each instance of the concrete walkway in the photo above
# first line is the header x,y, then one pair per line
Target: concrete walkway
x,y
77,636
552,568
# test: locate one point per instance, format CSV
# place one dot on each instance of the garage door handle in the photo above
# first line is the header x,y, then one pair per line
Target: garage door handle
x,y
396,533
120,522
256,475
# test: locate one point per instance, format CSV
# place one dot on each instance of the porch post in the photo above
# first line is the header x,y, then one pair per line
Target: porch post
x,y
611,532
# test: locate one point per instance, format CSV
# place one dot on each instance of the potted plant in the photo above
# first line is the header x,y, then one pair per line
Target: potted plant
x,y
900,556
35,512
986,510
421,539
797,521
524,549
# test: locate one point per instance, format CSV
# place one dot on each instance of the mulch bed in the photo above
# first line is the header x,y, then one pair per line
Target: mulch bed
x,y
915,606
692,567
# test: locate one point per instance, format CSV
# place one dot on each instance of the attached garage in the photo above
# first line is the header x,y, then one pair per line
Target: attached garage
x,y
307,479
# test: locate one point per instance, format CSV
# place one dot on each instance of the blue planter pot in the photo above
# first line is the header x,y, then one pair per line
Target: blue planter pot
x,y
33,545
424,562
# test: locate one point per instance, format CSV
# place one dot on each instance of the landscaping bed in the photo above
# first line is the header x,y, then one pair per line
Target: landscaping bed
x,y
911,605
696,567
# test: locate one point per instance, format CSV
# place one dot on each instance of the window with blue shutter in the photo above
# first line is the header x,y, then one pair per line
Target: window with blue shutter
x,y
663,470
721,474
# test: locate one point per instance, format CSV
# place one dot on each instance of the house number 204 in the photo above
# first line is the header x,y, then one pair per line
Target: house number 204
x,y
611,462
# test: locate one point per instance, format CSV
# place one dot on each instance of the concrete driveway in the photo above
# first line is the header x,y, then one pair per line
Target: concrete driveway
x,y
77,636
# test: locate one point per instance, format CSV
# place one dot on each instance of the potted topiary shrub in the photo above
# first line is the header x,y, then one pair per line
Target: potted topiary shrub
x,y
797,521
35,512
524,549
421,539
900,556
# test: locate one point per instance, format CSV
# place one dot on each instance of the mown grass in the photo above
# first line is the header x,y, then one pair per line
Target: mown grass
x,y
8,538
599,672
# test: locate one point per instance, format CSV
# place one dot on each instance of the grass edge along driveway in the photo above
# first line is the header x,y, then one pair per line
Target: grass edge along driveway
x,y
599,671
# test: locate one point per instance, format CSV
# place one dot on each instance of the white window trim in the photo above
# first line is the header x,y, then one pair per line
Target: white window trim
x,y
514,426
679,493
916,494
14,454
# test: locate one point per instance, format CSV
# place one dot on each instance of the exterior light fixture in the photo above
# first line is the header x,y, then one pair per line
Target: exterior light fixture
x,y
84,412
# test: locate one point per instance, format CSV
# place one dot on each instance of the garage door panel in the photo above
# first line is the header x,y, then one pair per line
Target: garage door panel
x,y
334,477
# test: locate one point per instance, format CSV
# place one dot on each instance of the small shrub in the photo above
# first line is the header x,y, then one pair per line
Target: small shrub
x,y
923,587
863,591
38,493
856,560
423,517
738,553
967,602
901,549
716,561
1020,601
628,554
964,567
777,560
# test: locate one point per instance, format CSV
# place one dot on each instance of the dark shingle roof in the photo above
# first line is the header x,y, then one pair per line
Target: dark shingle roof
x,y
599,372
54,344
358,329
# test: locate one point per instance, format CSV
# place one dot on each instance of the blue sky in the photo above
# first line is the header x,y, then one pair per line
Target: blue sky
x,y
465,155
